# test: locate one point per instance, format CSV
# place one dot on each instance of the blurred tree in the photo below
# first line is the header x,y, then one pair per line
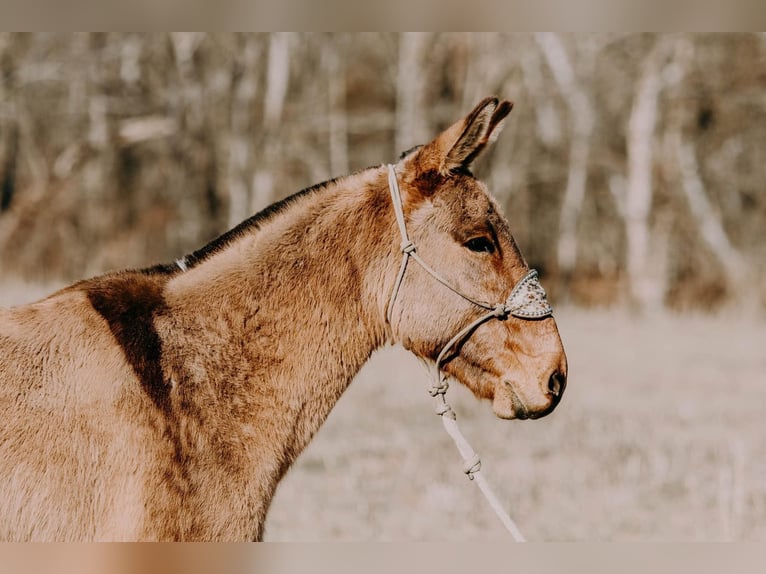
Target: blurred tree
x,y
631,169
581,121
646,285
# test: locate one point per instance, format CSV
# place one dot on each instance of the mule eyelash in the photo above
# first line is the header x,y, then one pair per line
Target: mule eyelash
x,y
480,245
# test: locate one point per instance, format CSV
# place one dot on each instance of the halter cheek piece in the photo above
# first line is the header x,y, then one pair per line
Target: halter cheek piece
x,y
526,301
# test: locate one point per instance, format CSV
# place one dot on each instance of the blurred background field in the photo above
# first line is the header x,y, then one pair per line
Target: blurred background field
x,y
660,436
631,171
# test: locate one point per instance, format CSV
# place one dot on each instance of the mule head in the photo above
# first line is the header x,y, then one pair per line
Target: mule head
x,y
519,364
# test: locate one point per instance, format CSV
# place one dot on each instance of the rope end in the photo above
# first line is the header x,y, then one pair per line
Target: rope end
x,y
472,466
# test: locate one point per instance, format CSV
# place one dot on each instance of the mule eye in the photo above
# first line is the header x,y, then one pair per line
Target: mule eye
x,y
480,245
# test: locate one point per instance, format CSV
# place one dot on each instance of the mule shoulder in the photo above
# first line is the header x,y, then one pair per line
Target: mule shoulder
x,y
129,302
107,316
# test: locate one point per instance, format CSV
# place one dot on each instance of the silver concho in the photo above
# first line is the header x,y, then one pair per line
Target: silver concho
x,y
528,299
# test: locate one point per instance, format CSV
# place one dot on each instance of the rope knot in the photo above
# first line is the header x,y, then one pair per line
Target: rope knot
x,y
472,466
444,410
439,388
501,310
407,247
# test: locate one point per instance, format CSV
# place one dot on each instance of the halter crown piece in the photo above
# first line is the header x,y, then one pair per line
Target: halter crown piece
x,y
526,301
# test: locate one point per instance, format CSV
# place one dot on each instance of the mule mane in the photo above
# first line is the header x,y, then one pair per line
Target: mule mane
x,y
249,225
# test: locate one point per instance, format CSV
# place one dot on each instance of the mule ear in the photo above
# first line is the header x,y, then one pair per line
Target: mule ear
x,y
459,145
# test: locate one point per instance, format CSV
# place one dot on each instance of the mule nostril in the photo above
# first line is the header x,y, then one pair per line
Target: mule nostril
x,y
556,384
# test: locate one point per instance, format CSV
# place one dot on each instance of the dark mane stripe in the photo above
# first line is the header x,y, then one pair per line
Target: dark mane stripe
x,y
250,224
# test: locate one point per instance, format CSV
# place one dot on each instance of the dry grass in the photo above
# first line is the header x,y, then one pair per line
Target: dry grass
x,y
660,436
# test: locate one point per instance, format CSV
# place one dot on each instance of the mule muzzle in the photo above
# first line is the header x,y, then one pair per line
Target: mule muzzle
x,y
511,402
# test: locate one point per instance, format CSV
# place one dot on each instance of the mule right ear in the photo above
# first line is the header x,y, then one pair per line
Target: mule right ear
x,y
460,144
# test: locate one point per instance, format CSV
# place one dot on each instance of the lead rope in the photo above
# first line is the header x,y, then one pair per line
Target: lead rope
x,y
471,460
524,295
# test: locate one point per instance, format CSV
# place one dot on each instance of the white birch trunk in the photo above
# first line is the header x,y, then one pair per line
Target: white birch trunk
x,y
549,128
582,119
185,44
692,185
277,78
704,213
190,111
240,135
647,289
277,81
411,120
336,118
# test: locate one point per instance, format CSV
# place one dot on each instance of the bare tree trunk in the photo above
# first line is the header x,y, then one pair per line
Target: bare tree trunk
x,y
190,108
185,44
240,133
130,60
485,74
277,80
582,120
646,288
411,119
278,76
336,117
77,85
692,185
703,212
9,133
547,116
21,158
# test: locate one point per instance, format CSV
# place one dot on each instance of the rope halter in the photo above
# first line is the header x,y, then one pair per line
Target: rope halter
x,y
527,300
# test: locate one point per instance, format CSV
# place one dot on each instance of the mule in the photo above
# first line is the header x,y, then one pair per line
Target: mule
x,y
167,403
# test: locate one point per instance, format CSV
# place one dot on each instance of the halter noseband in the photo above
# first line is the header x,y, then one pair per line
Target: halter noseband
x,y
526,301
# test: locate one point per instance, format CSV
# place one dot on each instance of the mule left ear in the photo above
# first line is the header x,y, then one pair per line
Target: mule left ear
x,y
460,144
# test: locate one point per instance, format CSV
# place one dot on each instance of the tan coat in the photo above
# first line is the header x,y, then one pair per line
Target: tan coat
x,y
163,404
